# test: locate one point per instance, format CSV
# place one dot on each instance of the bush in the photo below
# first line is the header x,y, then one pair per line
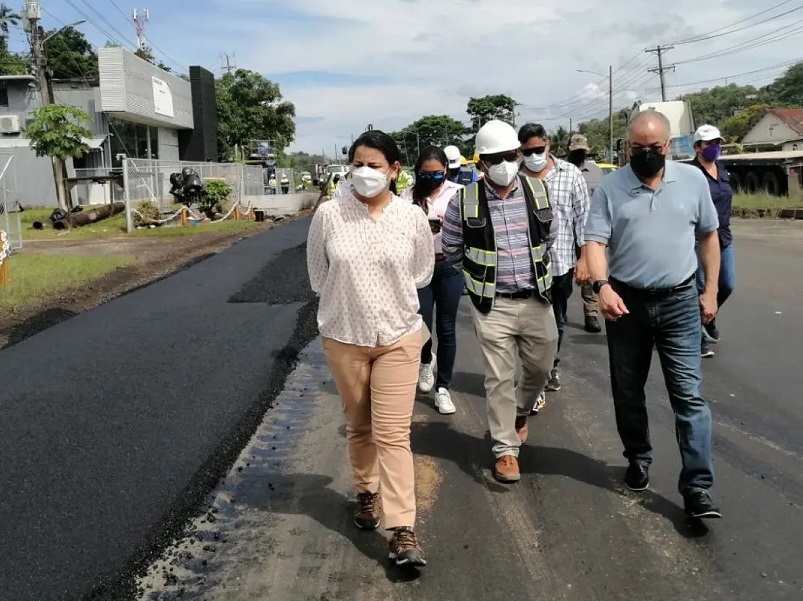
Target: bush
x,y
147,213
217,194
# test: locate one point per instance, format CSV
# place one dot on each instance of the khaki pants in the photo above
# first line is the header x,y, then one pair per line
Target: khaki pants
x,y
590,301
377,387
523,327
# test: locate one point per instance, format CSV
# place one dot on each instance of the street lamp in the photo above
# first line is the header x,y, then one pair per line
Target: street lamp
x,y
58,31
610,105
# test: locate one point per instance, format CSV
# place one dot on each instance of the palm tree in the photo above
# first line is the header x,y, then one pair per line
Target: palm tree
x,y
7,17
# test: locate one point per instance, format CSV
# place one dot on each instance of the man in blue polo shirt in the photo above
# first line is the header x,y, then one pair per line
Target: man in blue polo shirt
x,y
648,215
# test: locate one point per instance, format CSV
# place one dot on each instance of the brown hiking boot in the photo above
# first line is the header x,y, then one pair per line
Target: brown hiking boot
x,y
506,469
404,548
366,517
522,428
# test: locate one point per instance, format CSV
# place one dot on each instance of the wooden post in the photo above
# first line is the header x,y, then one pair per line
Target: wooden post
x,y
183,216
4,273
236,213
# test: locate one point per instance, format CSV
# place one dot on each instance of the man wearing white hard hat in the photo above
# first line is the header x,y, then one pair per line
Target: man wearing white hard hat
x,y
708,146
498,233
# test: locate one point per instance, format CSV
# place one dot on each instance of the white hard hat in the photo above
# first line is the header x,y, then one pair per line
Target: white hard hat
x,y
496,136
453,154
707,133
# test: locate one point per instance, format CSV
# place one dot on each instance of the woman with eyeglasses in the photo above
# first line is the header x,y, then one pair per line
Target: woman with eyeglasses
x,y
432,191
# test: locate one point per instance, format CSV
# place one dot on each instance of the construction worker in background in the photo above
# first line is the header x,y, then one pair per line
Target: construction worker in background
x,y
403,181
578,156
334,184
285,183
459,173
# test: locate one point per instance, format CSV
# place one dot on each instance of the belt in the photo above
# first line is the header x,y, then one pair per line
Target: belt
x,y
652,292
518,295
440,257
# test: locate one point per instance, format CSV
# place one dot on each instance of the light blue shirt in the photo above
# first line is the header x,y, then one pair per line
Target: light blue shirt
x,y
650,234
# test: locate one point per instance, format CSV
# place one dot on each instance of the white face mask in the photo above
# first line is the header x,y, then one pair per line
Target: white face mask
x,y
369,182
536,162
504,173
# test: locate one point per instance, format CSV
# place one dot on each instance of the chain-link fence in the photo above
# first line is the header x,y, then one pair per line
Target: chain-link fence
x,y
148,180
101,191
10,221
282,182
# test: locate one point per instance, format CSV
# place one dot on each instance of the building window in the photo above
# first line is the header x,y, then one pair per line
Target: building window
x,y
132,141
3,96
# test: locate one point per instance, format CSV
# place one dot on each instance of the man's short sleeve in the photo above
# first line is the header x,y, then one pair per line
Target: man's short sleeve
x,y
598,224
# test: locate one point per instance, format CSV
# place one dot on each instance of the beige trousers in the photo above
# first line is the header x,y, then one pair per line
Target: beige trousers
x,y
590,301
377,387
527,328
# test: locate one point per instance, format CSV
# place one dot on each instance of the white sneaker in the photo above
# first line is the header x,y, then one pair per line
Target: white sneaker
x,y
443,402
426,375
539,404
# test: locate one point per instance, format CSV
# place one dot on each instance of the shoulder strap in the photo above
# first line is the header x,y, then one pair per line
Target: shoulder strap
x,y
536,191
470,196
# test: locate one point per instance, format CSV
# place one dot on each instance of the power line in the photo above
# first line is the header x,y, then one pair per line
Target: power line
x,y
718,35
697,38
107,22
93,22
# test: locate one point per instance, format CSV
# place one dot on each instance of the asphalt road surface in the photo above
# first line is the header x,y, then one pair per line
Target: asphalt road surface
x,y
117,422
280,528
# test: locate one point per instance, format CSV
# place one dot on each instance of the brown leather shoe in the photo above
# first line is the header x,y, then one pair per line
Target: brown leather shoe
x,y
506,469
522,428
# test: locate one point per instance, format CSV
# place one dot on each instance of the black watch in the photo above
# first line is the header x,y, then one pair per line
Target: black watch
x,y
598,284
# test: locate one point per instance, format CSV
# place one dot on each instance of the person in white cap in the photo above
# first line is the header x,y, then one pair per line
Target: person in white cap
x,y
708,146
498,233
457,172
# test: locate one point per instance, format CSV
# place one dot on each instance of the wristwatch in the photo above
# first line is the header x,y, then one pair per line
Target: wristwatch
x,y
598,284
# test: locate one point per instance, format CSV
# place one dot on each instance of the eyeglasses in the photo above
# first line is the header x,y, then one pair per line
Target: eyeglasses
x,y
657,147
495,159
530,151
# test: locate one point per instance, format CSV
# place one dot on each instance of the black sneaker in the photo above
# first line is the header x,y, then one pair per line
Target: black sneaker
x,y
553,385
698,504
366,517
404,548
706,351
637,476
711,332
592,324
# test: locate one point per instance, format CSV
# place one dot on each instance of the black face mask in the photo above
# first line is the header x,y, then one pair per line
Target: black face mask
x,y
646,163
577,157
453,172
427,182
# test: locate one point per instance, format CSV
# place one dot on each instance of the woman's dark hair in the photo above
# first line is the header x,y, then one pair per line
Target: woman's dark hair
x,y
429,153
378,140
532,130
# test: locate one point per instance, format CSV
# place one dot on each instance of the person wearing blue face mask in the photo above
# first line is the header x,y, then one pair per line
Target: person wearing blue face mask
x,y
440,299
708,145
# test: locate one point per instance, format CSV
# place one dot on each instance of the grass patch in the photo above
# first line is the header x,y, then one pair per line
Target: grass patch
x,y
115,227
762,205
33,276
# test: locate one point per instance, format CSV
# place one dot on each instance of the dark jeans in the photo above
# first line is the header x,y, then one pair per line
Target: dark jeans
x,y
672,325
562,287
444,293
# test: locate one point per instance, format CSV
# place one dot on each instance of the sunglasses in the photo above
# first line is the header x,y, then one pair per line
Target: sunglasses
x,y
531,151
495,159
431,175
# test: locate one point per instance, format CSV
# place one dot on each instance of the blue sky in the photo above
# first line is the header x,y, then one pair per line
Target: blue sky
x,y
347,63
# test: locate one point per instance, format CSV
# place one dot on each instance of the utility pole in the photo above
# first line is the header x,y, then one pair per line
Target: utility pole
x,y
610,113
659,50
230,65
140,19
33,14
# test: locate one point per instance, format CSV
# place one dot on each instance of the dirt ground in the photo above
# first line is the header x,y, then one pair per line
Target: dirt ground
x,y
156,258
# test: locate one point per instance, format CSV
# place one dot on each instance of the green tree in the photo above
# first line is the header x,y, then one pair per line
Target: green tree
x,y
302,161
438,130
70,55
497,106
787,90
251,107
734,128
7,18
597,133
559,142
146,53
56,131
714,105
12,63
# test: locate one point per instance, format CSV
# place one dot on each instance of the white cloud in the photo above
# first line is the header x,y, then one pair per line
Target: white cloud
x,y
431,56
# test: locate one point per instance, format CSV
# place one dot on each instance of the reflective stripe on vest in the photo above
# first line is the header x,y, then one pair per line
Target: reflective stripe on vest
x,y
488,289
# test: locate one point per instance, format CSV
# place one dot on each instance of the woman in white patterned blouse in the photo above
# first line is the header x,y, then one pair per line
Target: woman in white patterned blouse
x,y
367,253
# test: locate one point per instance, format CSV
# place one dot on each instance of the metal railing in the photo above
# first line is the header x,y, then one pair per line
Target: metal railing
x,y
88,193
10,221
148,180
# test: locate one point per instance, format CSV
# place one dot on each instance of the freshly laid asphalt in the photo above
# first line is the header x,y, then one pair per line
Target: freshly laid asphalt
x,y
109,421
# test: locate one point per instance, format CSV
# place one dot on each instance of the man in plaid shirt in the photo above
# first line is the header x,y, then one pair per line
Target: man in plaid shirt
x,y
568,196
